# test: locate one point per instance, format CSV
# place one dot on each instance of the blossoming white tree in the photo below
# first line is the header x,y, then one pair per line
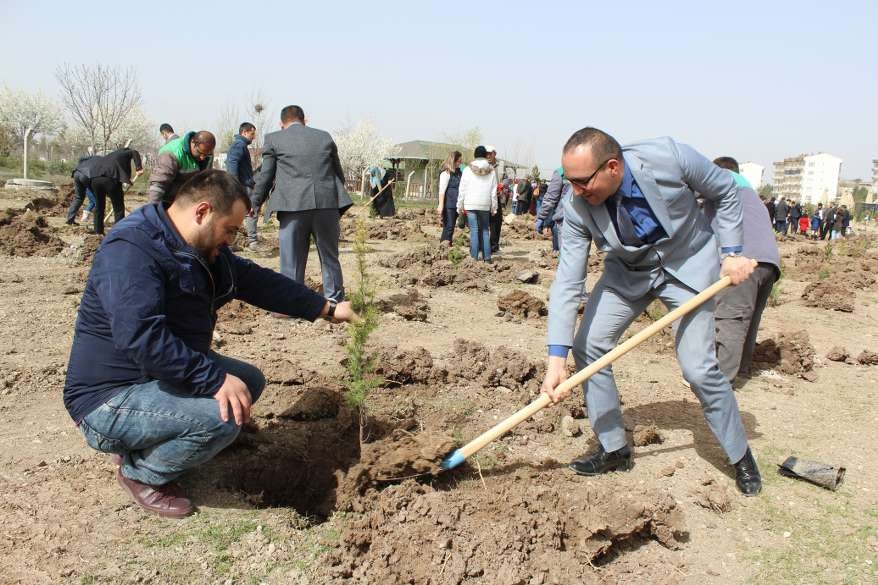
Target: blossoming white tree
x,y
24,115
360,147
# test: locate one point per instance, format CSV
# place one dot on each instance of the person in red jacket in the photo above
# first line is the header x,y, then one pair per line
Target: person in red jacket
x,y
803,224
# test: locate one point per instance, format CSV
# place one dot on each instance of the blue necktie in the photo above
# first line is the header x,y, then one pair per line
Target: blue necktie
x,y
624,224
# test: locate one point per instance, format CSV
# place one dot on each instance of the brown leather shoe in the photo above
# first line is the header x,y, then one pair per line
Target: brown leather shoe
x,y
166,500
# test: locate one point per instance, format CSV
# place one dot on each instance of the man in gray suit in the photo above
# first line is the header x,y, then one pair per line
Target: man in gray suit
x,y
638,204
301,164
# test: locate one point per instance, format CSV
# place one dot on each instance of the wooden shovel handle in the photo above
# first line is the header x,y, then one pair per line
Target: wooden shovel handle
x,y
375,196
587,372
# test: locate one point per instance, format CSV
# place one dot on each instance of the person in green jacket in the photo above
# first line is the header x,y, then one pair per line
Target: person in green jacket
x,y
177,160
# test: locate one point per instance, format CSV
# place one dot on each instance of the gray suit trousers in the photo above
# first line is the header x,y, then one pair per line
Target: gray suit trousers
x,y
738,314
608,314
296,229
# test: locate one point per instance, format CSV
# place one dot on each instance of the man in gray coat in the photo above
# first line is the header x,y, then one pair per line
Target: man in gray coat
x,y
301,165
739,308
638,205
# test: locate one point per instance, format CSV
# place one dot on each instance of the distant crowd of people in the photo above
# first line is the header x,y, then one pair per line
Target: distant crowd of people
x,y
789,217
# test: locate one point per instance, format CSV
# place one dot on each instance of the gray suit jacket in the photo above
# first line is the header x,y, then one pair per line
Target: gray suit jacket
x,y
301,164
669,174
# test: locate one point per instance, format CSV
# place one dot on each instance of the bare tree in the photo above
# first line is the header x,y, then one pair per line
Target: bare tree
x,y
227,123
259,115
99,98
138,131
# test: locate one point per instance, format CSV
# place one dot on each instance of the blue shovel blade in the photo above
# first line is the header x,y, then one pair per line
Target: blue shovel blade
x,y
453,460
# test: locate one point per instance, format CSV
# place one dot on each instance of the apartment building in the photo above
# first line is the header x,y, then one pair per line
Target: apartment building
x,y
808,178
753,173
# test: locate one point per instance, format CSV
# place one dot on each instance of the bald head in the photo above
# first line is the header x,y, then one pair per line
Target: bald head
x,y
205,138
202,144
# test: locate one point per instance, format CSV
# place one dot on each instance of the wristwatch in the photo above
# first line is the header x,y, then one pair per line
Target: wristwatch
x,y
729,255
330,314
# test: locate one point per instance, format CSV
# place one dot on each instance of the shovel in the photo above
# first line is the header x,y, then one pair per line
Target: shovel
x,y
375,196
128,188
501,428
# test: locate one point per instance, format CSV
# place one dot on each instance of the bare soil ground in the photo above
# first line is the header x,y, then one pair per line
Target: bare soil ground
x,y
460,346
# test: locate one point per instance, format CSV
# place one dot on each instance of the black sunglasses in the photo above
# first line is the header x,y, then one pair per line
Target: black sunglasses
x,y
583,182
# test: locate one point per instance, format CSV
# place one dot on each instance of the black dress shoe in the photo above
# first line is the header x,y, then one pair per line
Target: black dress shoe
x,y
71,222
602,462
747,476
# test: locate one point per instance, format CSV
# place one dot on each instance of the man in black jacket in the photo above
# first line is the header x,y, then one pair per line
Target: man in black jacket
x,y
108,174
81,184
240,166
142,380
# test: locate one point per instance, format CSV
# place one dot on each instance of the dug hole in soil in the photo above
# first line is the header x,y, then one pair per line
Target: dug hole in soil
x,y
410,522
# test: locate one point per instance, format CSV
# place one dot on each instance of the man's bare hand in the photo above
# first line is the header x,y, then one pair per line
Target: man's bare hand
x,y
556,372
739,268
344,311
235,395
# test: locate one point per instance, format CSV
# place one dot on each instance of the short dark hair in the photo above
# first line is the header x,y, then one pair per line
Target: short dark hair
x,y
292,114
166,128
727,162
218,187
602,144
246,127
480,152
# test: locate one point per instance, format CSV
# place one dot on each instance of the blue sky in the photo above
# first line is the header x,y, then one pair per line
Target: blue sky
x,y
756,80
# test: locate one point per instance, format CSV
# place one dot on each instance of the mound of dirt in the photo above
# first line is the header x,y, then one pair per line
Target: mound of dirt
x,y
837,354
409,305
519,229
430,266
790,353
548,259
238,318
518,532
28,234
713,496
519,303
828,295
646,435
474,362
422,256
395,458
404,226
82,250
867,358
399,367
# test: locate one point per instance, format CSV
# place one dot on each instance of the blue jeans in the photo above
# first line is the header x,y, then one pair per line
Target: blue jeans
x,y
92,201
161,431
479,233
